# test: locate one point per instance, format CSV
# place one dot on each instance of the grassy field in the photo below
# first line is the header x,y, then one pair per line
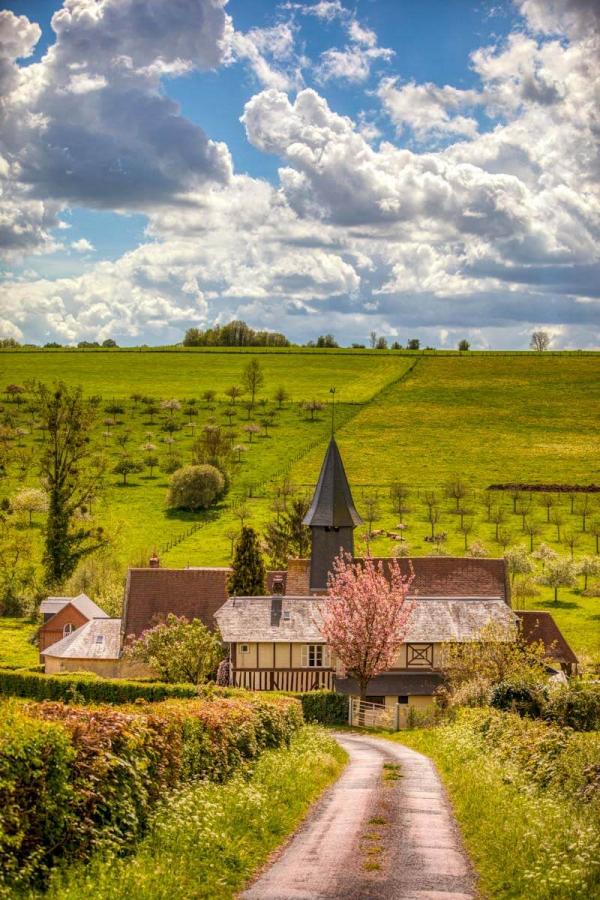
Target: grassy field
x,y
15,648
209,839
418,418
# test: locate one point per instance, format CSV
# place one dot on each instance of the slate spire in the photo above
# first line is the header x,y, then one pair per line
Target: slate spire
x,y
332,505
332,518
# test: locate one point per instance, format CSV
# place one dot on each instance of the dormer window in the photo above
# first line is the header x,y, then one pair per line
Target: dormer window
x,y
99,638
68,629
287,615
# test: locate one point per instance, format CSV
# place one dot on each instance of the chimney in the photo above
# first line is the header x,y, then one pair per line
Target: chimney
x,y
277,584
154,561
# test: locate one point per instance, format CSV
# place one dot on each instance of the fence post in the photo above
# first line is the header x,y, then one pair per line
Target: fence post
x,y
397,717
350,710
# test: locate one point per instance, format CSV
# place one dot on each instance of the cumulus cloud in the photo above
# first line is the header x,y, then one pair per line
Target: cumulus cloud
x,y
82,246
353,64
271,55
124,145
428,109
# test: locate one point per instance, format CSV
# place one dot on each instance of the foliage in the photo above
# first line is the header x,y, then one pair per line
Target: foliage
x,y
540,340
286,536
501,654
99,771
365,616
517,696
178,650
576,706
246,818
127,466
559,572
195,487
30,500
548,847
71,475
325,707
253,379
18,581
88,688
248,576
234,334
17,647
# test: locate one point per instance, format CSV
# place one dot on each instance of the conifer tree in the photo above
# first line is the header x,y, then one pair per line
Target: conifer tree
x,y
287,536
248,576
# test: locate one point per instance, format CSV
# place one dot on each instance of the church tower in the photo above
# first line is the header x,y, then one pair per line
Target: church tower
x,y
332,518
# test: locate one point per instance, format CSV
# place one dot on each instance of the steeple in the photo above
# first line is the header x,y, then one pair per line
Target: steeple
x,y
332,517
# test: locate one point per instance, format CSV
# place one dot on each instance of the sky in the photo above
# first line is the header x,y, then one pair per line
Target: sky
x,y
417,168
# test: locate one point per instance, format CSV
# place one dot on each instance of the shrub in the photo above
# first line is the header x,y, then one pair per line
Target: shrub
x,y
195,487
75,778
326,707
576,707
88,688
517,696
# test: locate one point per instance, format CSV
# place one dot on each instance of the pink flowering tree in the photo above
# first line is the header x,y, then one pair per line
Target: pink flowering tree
x,y
365,616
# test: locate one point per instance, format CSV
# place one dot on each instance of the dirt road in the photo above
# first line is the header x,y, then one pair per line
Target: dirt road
x,y
384,831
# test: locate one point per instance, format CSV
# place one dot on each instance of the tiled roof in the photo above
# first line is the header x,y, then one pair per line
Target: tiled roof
x,y
540,626
82,602
455,576
283,619
154,593
97,639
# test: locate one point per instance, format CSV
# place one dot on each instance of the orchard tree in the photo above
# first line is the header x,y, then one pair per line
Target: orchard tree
x,y
560,572
233,392
547,501
457,490
71,474
364,617
248,569
464,345
280,396
127,466
399,494
589,566
312,407
595,532
30,500
178,650
518,562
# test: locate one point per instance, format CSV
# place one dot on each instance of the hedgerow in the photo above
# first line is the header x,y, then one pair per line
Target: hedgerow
x,y
88,688
325,707
75,778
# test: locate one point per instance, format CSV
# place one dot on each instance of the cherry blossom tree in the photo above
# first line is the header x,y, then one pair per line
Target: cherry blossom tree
x,y
365,616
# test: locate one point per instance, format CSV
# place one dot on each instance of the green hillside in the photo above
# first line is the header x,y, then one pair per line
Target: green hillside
x,y
418,418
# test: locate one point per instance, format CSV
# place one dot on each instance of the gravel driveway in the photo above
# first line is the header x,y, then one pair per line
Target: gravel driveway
x,y
384,831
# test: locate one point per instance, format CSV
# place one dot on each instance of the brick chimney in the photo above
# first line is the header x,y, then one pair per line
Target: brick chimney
x,y
154,561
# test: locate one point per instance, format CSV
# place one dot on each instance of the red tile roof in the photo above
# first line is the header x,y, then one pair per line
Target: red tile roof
x,y
152,593
540,626
456,576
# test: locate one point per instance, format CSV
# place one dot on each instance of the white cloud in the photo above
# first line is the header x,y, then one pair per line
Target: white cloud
x,y
428,109
270,54
127,146
352,64
82,246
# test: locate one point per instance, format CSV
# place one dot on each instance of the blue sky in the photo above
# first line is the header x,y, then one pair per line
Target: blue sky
x,y
386,165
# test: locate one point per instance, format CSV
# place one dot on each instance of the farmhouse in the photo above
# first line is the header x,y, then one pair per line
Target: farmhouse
x,y
275,642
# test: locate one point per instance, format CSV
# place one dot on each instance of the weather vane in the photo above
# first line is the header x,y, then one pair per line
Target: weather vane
x,y
332,392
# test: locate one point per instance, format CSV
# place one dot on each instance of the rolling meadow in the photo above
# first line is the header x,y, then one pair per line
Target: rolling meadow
x,y
422,419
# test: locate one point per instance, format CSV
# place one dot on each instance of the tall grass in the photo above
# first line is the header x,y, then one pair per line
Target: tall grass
x,y
525,842
207,840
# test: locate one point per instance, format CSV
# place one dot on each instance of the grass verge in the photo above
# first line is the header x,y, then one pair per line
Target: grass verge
x,y
524,841
207,840
15,647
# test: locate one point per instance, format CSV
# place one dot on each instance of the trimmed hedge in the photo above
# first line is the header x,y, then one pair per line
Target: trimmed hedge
x,y
325,707
576,706
88,688
75,778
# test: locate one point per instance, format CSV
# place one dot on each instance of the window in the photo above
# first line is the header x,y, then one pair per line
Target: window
x,y
68,629
403,699
315,655
378,701
287,615
244,648
99,638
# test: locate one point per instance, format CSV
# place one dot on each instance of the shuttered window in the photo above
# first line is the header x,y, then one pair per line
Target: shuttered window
x,y
315,656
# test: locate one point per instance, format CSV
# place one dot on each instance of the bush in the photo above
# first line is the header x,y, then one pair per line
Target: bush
x,y
519,697
326,707
195,487
88,688
576,707
75,778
